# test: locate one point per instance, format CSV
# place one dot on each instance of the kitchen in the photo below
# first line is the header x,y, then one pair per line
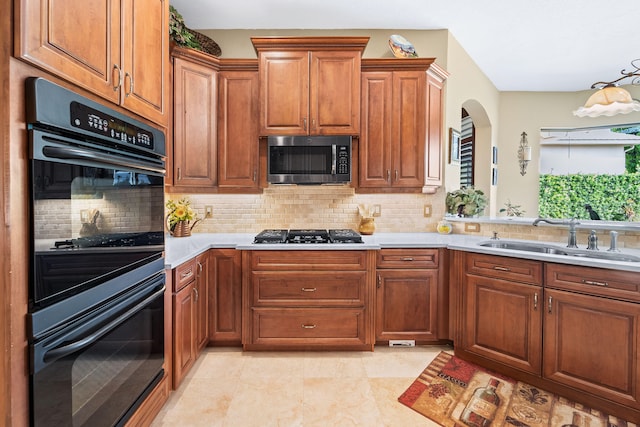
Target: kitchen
x,y
233,212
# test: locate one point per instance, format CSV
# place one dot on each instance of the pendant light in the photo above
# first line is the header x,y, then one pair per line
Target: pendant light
x,y
610,99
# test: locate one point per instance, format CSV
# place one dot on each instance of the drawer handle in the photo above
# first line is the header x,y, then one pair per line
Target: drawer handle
x,y
309,289
407,259
186,274
499,268
308,326
591,282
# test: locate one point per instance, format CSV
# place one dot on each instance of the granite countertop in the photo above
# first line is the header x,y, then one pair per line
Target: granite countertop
x,y
181,249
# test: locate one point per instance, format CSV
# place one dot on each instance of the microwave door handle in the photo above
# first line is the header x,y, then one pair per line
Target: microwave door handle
x,y
333,159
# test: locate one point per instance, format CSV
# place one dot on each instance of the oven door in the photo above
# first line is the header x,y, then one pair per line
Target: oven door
x,y
97,214
99,367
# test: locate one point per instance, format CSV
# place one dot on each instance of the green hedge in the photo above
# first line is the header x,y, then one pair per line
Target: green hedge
x,y
613,197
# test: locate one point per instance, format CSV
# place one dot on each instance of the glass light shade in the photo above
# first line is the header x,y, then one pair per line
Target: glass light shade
x,y
608,101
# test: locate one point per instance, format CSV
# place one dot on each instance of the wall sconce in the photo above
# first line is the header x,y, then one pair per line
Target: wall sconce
x,y
610,99
524,154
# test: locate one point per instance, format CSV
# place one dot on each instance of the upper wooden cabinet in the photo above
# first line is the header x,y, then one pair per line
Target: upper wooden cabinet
x,y
117,49
400,138
194,123
309,85
237,125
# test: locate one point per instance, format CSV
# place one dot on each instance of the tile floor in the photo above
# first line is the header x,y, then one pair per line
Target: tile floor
x,y
231,388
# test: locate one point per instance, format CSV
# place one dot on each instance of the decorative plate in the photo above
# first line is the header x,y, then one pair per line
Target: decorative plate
x,y
401,47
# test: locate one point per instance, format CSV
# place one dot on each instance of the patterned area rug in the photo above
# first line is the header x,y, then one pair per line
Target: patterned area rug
x,y
455,393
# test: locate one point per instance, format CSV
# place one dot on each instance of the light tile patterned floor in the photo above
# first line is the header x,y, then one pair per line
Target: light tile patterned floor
x,y
231,388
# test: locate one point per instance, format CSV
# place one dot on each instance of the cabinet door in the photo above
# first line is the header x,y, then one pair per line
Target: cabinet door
x,y
225,296
334,93
145,57
77,40
184,351
238,129
434,132
194,127
502,321
407,305
284,93
408,129
201,313
591,344
375,137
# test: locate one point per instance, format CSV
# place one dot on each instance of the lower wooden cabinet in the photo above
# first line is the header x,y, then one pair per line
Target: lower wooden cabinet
x,y
407,289
568,329
225,297
308,299
190,315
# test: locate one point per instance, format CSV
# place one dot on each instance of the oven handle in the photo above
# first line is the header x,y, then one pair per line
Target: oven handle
x,y
65,350
80,154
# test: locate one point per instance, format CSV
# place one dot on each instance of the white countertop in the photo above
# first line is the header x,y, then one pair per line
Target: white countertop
x,y
181,249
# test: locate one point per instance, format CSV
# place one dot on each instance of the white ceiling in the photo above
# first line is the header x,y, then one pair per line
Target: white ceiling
x,y
521,45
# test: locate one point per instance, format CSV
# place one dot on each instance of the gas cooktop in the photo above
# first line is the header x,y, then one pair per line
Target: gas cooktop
x,y
308,236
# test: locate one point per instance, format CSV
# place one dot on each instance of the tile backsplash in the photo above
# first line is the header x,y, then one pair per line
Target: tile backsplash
x,y
285,206
337,207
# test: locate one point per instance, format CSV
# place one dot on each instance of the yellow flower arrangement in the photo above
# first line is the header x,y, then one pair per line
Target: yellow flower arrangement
x,y
179,211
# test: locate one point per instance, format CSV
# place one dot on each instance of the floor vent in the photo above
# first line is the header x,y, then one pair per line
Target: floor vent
x,y
402,343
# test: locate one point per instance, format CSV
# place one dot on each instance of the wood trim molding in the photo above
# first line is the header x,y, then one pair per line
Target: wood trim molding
x,y
309,43
397,64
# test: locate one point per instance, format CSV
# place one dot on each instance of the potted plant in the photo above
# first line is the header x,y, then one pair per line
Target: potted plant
x,y
466,201
179,218
178,31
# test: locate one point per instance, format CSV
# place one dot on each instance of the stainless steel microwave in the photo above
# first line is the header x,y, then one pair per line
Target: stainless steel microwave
x,y
309,159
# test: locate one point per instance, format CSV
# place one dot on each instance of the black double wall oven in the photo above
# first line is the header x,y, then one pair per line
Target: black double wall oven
x,y
97,283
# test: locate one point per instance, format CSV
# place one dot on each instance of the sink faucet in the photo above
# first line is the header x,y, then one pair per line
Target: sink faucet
x,y
571,242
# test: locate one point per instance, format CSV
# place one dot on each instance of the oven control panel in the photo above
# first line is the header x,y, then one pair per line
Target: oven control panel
x,y
100,123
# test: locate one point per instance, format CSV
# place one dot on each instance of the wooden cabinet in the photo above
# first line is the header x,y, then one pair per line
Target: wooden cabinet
x,y
309,85
308,299
436,77
401,125
115,49
225,297
194,119
591,336
184,352
189,315
407,295
502,310
201,288
568,329
238,125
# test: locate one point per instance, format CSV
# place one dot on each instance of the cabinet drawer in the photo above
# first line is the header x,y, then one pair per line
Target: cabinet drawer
x,y
309,260
407,258
594,281
309,288
308,326
184,274
515,269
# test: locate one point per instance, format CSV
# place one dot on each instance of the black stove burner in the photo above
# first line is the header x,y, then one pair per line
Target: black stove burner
x,y
308,236
345,235
271,236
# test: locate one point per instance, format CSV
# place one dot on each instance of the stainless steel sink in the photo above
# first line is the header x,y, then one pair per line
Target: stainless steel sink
x,y
525,246
556,250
